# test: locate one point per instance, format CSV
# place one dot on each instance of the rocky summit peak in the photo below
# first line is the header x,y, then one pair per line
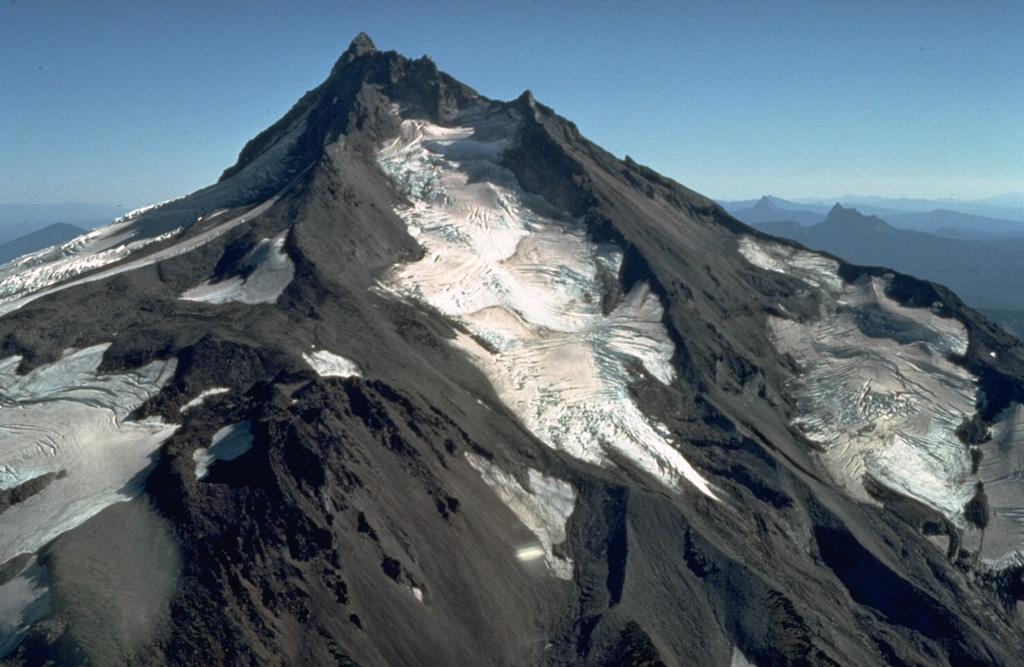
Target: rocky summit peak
x,y
361,45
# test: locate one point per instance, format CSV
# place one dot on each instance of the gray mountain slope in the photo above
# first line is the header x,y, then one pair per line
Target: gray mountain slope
x,y
395,516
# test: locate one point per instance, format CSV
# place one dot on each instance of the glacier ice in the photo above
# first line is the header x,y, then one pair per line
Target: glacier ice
x,y
54,269
527,283
1002,472
70,419
543,508
878,390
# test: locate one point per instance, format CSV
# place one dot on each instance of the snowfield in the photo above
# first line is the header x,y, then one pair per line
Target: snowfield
x,y
201,398
271,272
544,508
69,419
227,444
327,364
23,600
527,282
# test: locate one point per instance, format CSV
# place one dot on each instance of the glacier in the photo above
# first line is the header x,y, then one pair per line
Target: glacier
x,y
526,282
879,391
69,419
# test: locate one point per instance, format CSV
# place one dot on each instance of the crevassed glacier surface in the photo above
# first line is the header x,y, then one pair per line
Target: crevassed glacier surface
x,y
878,390
527,284
69,419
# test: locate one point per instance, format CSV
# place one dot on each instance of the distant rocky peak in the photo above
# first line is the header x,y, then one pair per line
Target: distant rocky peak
x,y
851,218
765,203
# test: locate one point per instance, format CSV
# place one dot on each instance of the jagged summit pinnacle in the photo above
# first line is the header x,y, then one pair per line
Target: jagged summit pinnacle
x,y
361,45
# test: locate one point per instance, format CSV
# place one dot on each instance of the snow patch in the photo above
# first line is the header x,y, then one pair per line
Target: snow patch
x,y
272,271
68,418
877,390
227,444
327,364
543,506
529,284
198,400
740,660
23,600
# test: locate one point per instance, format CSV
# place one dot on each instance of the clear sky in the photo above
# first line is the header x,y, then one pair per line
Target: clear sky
x,y
133,102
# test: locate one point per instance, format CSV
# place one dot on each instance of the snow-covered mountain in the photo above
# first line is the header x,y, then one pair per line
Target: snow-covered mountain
x,y
428,378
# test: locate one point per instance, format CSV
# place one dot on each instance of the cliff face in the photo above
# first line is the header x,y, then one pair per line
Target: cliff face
x,y
428,378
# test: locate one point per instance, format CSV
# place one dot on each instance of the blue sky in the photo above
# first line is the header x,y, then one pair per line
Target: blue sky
x,y
130,103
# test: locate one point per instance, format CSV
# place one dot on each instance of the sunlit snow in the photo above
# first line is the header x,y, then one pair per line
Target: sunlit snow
x,y
271,272
227,444
544,508
54,269
67,418
877,390
198,400
23,600
739,660
528,284
327,364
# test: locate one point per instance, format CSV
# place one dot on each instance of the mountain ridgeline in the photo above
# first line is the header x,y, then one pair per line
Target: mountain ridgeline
x,y
428,378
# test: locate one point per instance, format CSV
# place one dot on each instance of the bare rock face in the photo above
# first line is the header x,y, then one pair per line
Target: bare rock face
x,y
428,378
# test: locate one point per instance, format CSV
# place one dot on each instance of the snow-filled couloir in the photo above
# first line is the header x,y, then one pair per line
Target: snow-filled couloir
x,y
526,282
543,507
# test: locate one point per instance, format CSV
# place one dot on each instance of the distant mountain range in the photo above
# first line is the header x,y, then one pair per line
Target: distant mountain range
x,y
50,235
953,219
17,220
985,271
